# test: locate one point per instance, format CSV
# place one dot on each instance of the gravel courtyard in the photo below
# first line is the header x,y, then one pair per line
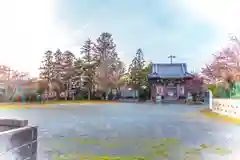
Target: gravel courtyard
x,y
128,130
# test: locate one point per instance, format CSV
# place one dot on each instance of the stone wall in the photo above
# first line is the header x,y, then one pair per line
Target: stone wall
x,y
229,107
18,143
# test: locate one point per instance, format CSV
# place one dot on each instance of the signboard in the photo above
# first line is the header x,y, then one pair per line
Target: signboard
x,y
181,90
189,97
158,93
171,94
158,89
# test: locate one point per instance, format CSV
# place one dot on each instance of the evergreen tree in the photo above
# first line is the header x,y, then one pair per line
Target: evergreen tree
x,y
47,70
136,73
47,66
105,48
58,64
88,67
58,71
78,72
68,71
87,51
107,58
145,71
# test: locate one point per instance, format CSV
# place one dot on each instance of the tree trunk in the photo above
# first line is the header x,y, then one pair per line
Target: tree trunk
x,y
57,95
66,91
73,95
48,90
47,94
66,94
89,94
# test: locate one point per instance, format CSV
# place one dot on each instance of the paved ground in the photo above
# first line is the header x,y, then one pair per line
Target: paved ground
x,y
129,130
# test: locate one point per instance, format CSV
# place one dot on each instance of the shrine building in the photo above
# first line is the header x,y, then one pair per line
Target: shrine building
x,y
172,81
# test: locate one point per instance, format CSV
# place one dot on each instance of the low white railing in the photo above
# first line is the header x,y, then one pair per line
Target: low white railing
x,y
229,107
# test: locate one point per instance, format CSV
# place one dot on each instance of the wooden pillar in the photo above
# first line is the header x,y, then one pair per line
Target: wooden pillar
x,y
164,89
153,90
178,90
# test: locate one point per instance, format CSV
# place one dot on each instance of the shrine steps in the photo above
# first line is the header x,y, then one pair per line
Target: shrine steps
x,y
174,101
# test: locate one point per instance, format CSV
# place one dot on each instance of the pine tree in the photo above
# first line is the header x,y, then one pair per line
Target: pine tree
x,y
58,71
136,71
67,71
78,72
58,65
106,56
47,66
47,70
105,47
88,67
87,51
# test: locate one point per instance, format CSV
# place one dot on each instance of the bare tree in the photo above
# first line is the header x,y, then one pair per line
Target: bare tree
x,y
116,77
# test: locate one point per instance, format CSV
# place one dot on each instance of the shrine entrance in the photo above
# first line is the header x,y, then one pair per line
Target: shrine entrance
x,y
171,93
169,81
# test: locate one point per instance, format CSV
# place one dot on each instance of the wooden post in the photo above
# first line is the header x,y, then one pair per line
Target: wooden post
x,y
73,95
151,92
178,90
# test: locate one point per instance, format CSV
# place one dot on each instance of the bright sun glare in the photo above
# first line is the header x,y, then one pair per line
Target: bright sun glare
x,y
26,29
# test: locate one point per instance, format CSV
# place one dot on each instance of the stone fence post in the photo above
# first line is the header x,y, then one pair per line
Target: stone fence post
x,y
18,141
210,95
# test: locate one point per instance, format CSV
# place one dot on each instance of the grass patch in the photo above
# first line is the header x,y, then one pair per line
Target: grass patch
x,y
220,117
94,157
166,148
4,107
81,102
19,105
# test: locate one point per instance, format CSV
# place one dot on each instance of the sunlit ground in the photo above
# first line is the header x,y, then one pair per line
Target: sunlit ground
x,y
218,117
25,105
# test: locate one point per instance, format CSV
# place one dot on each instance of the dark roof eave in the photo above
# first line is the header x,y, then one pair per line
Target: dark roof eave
x,y
166,77
189,74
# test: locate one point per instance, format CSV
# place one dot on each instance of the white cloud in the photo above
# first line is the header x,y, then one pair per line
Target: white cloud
x,y
221,15
29,28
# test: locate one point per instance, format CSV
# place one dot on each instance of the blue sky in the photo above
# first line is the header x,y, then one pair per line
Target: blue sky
x,y
192,30
155,26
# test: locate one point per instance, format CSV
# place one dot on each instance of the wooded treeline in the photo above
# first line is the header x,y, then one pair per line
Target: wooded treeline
x,y
97,68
